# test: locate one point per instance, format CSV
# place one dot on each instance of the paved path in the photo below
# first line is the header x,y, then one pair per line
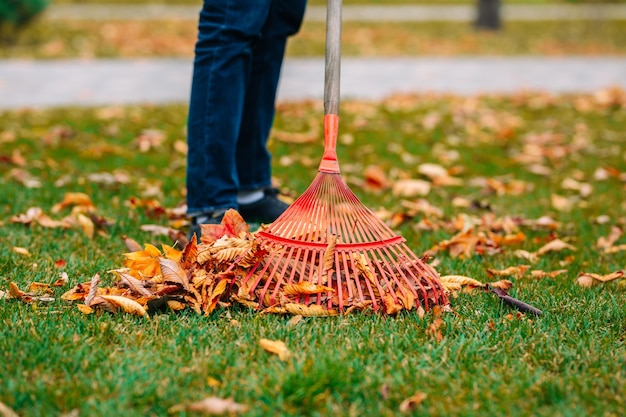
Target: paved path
x,y
353,13
125,81
119,81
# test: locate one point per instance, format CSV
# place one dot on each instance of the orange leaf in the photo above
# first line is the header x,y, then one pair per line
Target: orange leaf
x,y
73,199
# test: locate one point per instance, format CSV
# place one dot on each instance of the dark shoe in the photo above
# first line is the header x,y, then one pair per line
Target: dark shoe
x,y
212,217
266,210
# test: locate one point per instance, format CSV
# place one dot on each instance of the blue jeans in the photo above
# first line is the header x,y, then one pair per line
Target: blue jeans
x,y
238,58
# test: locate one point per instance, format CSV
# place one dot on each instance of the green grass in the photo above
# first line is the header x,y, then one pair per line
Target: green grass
x,y
569,362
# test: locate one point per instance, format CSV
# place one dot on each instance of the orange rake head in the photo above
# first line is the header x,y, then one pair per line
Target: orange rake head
x,y
329,249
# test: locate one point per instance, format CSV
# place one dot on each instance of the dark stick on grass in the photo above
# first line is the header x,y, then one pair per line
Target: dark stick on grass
x,y
513,302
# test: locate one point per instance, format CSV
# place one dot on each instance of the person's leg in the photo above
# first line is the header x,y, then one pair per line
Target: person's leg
x,y
253,158
222,66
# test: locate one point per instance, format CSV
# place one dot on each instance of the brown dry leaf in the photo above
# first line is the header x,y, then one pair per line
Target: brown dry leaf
x,y
555,245
175,305
292,321
516,271
173,272
503,284
608,241
149,139
305,287
329,254
391,306
539,274
588,279
528,256
411,188
126,304
211,406
93,289
434,329
309,311
276,347
411,403
561,203
131,244
375,178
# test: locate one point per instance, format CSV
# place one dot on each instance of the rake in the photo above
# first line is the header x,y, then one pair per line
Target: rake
x,y
329,240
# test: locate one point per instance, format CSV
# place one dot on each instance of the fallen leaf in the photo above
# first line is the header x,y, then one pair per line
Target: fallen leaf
x,y
173,272
131,244
306,287
309,311
538,274
555,245
73,199
516,271
455,282
276,347
212,406
126,304
411,188
85,309
6,411
588,279
20,251
503,284
411,403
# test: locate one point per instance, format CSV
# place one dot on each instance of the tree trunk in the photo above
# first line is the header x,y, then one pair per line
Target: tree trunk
x,y
488,16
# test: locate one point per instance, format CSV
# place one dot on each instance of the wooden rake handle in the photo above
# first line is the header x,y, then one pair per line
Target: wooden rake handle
x,y
332,77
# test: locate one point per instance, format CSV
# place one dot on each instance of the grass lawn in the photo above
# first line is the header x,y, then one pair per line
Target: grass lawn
x,y
88,39
508,161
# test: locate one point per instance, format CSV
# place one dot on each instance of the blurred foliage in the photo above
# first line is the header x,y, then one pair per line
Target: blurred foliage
x,y
15,14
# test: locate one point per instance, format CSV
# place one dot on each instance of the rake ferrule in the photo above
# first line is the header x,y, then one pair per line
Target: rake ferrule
x,y
329,163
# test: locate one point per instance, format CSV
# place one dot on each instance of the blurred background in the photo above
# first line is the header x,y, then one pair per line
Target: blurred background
x,y
100,51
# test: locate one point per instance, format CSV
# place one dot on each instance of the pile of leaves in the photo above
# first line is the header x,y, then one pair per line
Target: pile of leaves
x,y
222,269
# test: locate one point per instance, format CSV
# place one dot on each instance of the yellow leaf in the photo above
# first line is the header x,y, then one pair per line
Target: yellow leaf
x,y
305,287
144,262
453,282
84,308
126,304
171,253
503,284
276,347
309,311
